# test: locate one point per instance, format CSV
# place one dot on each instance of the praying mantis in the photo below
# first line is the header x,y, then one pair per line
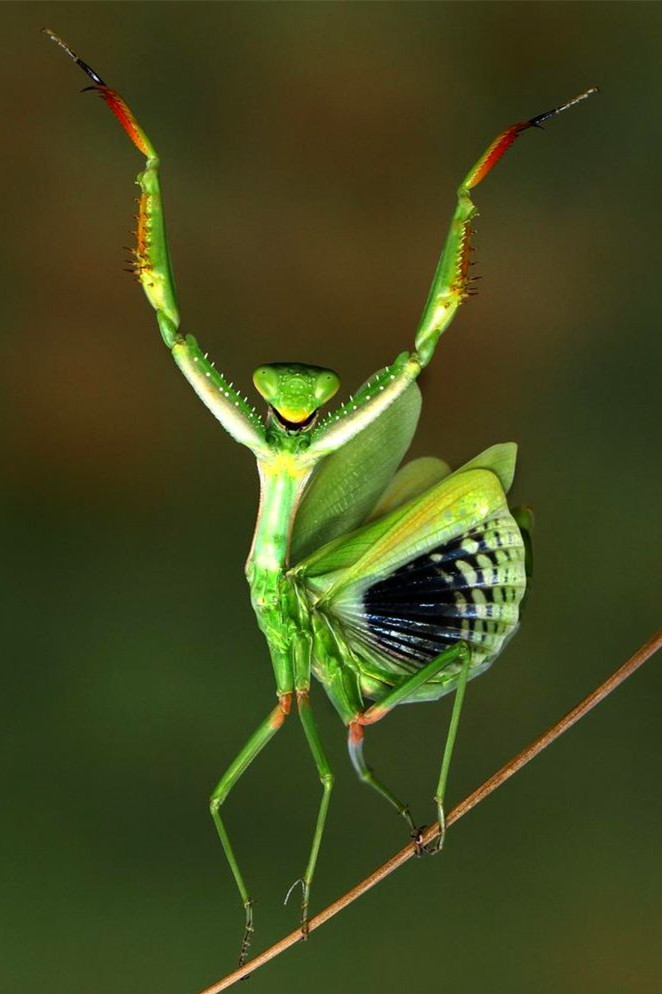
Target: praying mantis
x,y
389,585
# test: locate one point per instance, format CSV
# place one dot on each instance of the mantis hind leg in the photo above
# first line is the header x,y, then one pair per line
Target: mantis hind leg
x,y
255,744
400,695
367,774
458,700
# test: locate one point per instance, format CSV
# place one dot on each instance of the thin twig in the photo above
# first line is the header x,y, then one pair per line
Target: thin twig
x,y
430,833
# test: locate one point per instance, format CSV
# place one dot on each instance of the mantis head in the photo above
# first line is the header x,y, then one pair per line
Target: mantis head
x,y
295,392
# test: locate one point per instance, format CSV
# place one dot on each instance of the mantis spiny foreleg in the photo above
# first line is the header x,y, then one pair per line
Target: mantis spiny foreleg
x,y
152,266
450,288
451,282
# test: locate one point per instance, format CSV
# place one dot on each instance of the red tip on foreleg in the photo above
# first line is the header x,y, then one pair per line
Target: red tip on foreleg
x,y
116,103
487,161
124,115
503,141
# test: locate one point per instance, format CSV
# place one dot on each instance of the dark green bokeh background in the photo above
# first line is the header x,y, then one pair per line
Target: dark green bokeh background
x,y
310,156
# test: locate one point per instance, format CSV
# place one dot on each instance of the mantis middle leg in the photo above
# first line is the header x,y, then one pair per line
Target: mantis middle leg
x,y
263,734
326,777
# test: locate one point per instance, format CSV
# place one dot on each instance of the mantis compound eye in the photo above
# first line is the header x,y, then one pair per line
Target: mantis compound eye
x,y
266,380
326,386
295,392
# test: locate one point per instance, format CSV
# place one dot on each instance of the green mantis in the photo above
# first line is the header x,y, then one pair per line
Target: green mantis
x,y
389,585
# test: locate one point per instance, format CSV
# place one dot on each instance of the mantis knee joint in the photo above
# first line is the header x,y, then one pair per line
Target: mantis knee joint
x,y
215,802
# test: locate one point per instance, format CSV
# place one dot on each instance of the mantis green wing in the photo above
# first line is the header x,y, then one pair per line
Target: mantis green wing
x,y
357,482
412,479
347,550
346,484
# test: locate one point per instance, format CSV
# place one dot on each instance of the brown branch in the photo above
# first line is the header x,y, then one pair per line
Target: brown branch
x,y
512,766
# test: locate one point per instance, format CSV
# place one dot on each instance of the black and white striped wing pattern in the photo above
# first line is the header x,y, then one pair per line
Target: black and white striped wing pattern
x,y
468,588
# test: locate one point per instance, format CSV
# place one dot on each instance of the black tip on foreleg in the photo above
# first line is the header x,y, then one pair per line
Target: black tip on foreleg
x,y
96,79
536,121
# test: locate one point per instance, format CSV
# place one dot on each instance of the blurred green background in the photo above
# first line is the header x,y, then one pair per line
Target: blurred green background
x,y
310,154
